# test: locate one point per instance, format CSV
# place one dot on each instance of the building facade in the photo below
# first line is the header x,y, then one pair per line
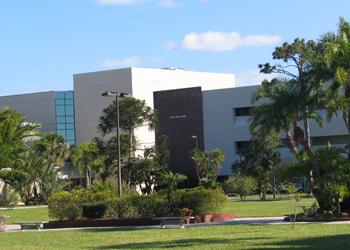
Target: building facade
x,y
195,110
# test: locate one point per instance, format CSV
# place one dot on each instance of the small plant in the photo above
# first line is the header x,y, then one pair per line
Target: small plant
x,y
295,201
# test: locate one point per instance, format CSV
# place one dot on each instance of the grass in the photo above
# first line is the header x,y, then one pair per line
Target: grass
x,y
251,208
310,236
26,214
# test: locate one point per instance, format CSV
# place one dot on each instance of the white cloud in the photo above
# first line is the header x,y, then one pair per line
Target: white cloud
x,y
225,41
117,2
252,77
132,61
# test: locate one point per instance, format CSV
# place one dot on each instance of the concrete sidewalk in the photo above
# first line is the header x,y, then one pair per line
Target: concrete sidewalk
x,y
237,221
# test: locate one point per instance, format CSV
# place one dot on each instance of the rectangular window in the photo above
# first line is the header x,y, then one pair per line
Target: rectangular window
x,y
69,102
60,111
61,126
60,102
243,111
69,110
69,95
60,95
241,145
69,119
70,135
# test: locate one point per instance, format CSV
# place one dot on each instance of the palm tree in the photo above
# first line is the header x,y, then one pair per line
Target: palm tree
x,y
335,48
14,130
169,181
86,160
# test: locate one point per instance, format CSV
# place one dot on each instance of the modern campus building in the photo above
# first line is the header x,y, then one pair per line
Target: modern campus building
x,y
195,109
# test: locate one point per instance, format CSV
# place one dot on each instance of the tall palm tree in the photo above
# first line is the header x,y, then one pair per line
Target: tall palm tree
x,y
335,48
86,160
14,130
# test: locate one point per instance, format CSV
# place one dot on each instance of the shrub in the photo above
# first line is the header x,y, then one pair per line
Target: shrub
x,y
203,201
8,198
94,210
136,206
65,205
240,185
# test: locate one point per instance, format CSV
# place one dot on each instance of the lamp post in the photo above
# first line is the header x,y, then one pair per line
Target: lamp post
x,y
196,140
117,95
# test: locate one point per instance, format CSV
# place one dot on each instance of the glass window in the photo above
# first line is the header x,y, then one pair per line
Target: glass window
x,y
70,135
69,101
244,111
71,142
61,126
59,101
69,119
69,110
60,119
61,132
60,111
69,95
70,126
60,95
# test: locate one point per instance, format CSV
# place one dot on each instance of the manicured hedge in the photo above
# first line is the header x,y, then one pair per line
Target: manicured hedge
x,y
88,203
202,201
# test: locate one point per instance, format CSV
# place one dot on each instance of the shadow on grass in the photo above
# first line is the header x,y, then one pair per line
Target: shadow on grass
x,y
175,243
336,242
113,229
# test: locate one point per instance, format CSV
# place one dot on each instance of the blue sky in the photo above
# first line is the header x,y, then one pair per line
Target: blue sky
x,y
44,42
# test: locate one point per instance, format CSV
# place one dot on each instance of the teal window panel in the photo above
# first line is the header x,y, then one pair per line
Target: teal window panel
x,y
60,119
69,119
61,132
70,135
69,110
69,95
60,111
61,126
60,94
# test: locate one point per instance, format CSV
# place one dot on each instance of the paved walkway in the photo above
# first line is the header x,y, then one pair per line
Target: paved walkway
x,y
22,207
238,221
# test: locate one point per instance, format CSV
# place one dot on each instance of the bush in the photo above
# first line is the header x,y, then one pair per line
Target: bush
x,y
94,210
136,206
240,185
65,205
202,201
8,198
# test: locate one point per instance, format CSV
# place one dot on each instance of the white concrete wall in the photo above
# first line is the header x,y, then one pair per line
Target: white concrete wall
x,y
89,102
140,83
222,129
145,81
37,107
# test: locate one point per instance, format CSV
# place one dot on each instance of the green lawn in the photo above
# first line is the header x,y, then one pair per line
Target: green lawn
x,y
242,208
311,236
26,214
235,205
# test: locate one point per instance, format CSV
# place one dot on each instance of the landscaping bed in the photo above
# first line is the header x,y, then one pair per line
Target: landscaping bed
x,y
303,218
100,223
106,222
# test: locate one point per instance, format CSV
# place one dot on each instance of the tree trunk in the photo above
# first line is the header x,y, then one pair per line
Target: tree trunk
x,y
347,116
88,178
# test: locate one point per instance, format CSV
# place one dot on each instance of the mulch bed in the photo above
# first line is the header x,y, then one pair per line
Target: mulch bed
x,y
100,223
107,222
325,219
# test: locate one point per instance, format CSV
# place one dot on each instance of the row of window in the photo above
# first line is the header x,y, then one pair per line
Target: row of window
x,y
65,115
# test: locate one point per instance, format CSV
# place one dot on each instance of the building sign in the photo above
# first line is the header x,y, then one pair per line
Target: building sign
x,y
178,117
